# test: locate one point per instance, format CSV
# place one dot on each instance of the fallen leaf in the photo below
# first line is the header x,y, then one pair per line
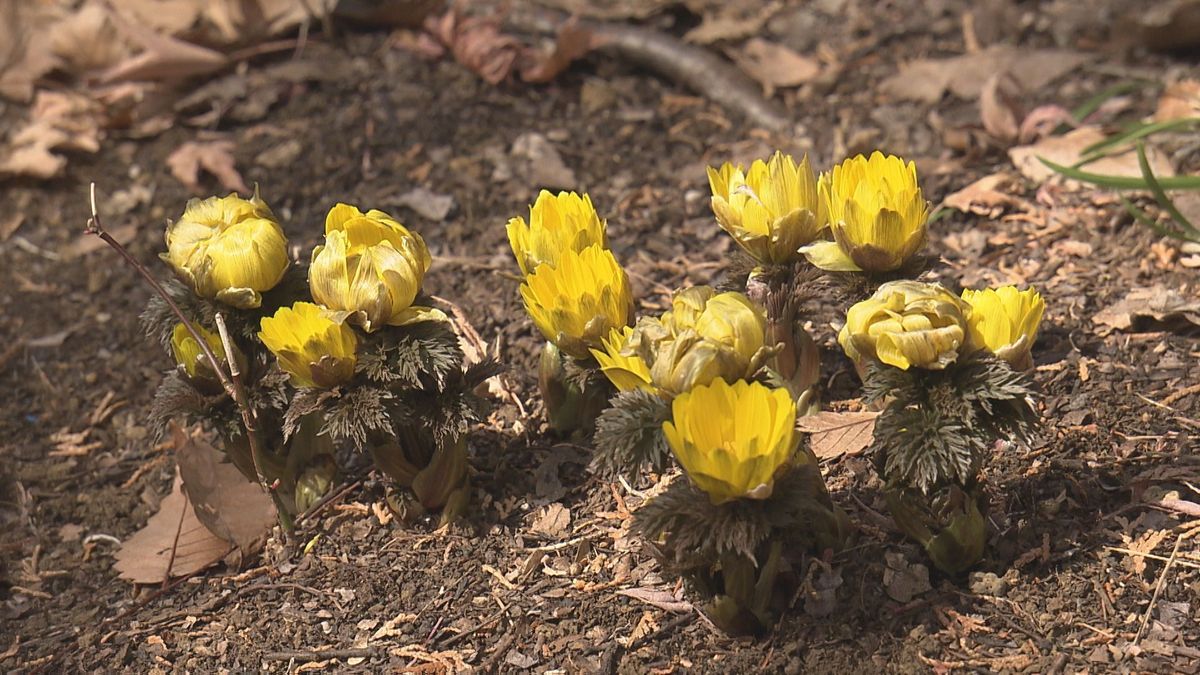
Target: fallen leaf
x,y
1143,544
477,43
1180,100
553,521
989,196
1154,308
964,76
230,506
820,592
573,43
162,57
427,203
543,166
999,107
145,557
903,581
833,434
90,243
215,157
1042,121
645,626
660,598
773,65
730,21
1067,150
58,121
25,54
85,42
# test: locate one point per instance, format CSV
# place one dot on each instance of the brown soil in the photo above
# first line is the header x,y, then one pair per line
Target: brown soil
x,y
491,593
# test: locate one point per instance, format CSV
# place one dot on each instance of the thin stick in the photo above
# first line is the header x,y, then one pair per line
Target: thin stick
x,y
1162,581
94,226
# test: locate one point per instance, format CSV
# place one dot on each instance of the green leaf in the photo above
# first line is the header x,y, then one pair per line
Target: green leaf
x,y
1132,133
1093,104
1160,195
1123,182
1145,219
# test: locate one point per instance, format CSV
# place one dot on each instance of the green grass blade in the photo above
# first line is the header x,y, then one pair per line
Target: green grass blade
x,y
1145,219
1160,195
1132,133
1093,104
1123,182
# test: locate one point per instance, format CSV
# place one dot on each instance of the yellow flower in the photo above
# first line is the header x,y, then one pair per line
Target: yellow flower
x,y
906,324
623,366
188,354
732,440
876,212
313,348
580,300
705,335
228,248
557,223
1005,321
771,210
371,267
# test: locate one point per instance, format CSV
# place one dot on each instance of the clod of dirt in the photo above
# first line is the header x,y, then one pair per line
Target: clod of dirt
x,y
542,165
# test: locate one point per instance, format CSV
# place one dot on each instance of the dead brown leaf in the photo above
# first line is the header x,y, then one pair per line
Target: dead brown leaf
x,y
658,597
1067,150
773,65
833,434
964,76
162,57
1143,544
25,54
573,42
553,521
230,506
1000,107
215,157
87,41
1180,100
58,121
477,43
1152,308
989,196
731,21
145,557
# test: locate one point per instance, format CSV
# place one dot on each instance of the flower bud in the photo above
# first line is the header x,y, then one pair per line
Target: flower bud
x,y
1005,321
371,267
190,357
312,347
229,249
906,324
557,223
771,210
876,212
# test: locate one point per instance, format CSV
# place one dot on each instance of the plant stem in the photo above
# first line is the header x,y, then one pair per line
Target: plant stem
x,y
230,381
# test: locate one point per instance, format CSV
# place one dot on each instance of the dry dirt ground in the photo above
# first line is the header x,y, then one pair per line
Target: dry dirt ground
x,y
1058,592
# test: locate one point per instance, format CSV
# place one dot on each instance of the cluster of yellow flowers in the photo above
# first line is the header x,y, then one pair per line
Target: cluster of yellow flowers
x,y
909,324
368,273
704,336
867,215
573,288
